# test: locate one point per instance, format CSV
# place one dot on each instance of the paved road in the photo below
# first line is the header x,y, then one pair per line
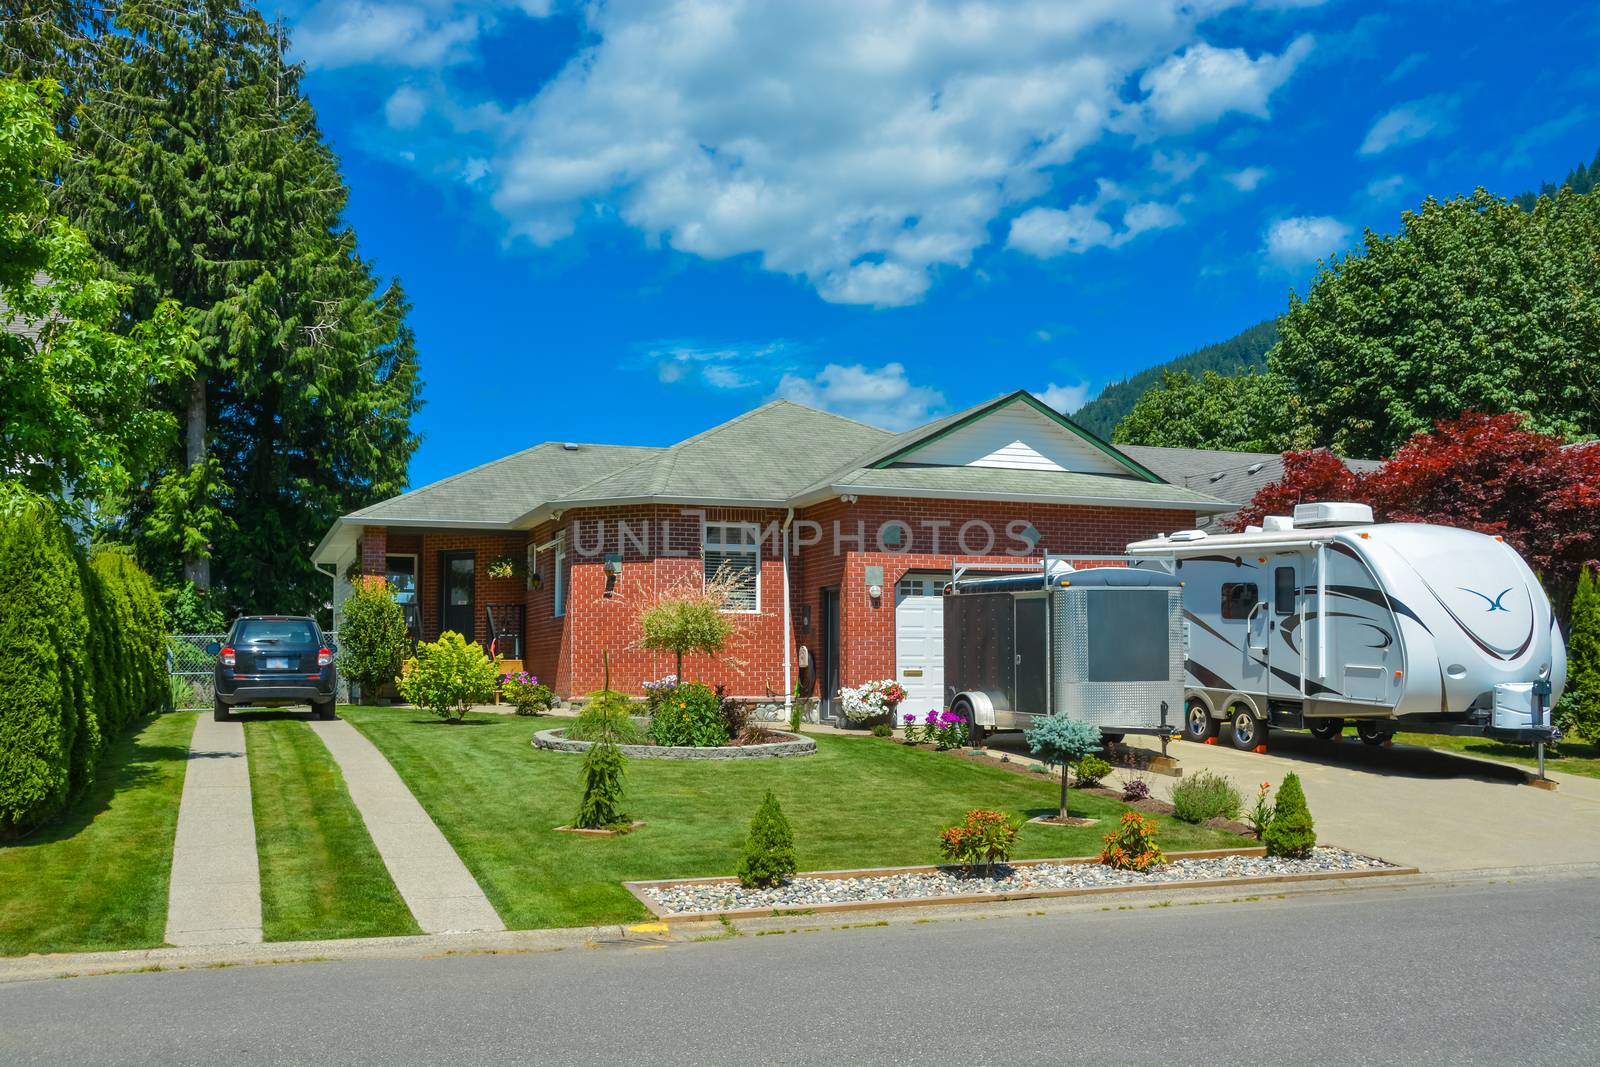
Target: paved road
x,y
1486,972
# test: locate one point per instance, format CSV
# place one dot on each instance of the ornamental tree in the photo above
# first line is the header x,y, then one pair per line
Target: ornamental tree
x,y
1057,739
372,634
1309,476
687,621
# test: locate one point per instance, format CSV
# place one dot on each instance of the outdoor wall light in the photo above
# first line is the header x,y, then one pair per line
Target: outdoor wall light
x,y
875,591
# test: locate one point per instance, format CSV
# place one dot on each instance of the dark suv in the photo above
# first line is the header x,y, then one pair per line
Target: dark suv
x,y
272,660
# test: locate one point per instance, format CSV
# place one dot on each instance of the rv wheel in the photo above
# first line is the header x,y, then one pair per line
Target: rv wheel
x,y
1198,725
1372,732
1326,729
1248,731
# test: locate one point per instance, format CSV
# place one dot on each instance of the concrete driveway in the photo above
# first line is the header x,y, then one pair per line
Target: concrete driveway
x,y
1410,805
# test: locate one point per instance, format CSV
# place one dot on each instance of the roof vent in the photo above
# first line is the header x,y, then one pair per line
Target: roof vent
x,y
570,447
1188,535
1331,513
1254,468
1217,477
1277,522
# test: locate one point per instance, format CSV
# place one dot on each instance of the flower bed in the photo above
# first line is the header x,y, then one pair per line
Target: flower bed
x,y
891,887
780,746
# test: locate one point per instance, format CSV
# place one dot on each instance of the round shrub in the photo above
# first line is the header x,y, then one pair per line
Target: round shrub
x,y
768,858
1290,833
1207,795
1135,789
526,693
1133,846
448,675
1091,769
372,635
983,837
691,716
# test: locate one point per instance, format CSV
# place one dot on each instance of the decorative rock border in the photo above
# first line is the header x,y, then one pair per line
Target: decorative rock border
x,y
920,887
790,745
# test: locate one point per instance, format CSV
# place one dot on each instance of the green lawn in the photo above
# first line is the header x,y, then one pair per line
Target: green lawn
x,y
321,876
1572,756
97,877
856,803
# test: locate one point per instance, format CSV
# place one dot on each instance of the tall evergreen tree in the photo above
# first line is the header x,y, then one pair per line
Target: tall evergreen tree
x,y
200,174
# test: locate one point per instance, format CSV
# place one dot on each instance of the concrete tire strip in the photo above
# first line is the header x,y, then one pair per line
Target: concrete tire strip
x,y
435,884
214,897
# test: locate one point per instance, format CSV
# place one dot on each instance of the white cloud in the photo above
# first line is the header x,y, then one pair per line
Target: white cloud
x,y
398,33
1064,398
861,145
1202,83
1142,217
405,107
737,366
1247,179
1178,166
1294,242
1408,123
882,396
1046,231
1386,189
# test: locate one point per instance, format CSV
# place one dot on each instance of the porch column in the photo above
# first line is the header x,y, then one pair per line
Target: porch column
x,y
374,550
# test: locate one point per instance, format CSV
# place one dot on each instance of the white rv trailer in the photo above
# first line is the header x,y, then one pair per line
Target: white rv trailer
x,y
1328,616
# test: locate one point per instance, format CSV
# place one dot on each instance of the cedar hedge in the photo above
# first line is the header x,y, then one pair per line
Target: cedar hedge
x,y
80,660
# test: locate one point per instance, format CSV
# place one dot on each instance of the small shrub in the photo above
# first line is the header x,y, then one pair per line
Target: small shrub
x,y
691,716
606,716
526,693
1260,816
1090,769
1060,741
1291,833
1133,847
1135,789
372,635
882,729
769,857
603,772
795,713
755,734
735,713
984,837
657,691
1207,795
448,676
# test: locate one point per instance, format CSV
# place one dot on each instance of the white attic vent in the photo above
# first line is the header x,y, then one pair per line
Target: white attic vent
x,y
1277,522
1254,468
1217,477
570,447
1331,513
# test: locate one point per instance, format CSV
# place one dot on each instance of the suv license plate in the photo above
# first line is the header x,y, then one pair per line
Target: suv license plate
x,y
277,663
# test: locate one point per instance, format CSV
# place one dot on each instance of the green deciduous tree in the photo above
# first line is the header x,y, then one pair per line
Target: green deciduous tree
x,y
77,414
1474,305
1254,412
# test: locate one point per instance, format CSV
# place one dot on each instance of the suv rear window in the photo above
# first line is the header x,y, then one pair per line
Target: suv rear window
x,y
275,632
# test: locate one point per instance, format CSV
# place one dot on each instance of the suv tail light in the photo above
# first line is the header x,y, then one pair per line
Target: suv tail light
x,y
227,657
324,657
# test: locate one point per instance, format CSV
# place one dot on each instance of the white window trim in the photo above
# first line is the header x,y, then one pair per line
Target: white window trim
x,y
753,549
558,579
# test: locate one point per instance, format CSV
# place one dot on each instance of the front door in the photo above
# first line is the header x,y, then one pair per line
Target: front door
x,y
457,596
828,669
1285,641
919,642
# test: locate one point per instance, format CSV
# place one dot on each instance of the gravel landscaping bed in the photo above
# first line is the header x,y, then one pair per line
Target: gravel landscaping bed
x,y
803,892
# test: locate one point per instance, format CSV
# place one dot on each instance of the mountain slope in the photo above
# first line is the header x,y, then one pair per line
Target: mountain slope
x,y
1246,351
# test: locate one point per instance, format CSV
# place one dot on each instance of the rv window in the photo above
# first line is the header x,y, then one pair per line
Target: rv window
x,y
1283,589
1238,598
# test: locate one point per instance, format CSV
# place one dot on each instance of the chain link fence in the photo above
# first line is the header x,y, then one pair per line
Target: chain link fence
x,y
191,677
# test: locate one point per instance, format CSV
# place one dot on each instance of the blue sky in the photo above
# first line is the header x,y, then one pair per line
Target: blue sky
x,y
625,222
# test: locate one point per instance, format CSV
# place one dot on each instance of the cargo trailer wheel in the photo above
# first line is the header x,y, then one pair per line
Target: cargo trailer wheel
x,y
1372,732
1326,729
963,709
1198,725
1248,731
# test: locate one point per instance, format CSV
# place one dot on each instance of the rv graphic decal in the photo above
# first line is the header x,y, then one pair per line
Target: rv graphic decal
x,y
1207,677
1493,602
1498,653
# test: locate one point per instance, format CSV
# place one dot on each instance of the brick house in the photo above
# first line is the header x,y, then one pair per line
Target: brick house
x,y
838,534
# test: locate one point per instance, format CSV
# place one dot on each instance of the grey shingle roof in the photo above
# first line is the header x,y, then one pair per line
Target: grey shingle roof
x,y
1231,476
501,492
1006,484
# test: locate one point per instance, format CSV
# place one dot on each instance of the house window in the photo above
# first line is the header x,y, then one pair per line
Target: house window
x,y
733,550
1238,599
559,575
401,573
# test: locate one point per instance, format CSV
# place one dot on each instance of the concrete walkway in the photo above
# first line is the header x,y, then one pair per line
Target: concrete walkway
x,y
215,893
436,886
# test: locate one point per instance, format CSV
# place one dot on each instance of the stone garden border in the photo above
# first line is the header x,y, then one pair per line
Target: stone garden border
x,y
664,915
791,745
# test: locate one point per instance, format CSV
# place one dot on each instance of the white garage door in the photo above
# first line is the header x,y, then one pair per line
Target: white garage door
x,y
919,641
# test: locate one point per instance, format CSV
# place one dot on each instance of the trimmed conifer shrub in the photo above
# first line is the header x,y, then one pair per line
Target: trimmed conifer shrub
x,y
1291,833
603,771
769,857
1579,710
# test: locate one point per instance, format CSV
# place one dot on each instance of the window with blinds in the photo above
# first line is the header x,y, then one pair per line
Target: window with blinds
x,y
733,550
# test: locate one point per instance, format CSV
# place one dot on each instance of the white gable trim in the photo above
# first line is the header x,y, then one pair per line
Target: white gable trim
x,y
1015,437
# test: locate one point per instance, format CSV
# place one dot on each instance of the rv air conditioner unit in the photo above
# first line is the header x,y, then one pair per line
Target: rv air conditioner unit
x,y
1312,516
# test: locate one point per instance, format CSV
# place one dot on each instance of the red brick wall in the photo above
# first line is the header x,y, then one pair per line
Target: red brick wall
x,y
601,620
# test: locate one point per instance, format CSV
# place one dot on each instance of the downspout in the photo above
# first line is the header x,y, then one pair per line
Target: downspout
x,y
788,666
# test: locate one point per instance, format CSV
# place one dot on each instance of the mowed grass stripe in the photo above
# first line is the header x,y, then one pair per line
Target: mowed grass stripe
x,y
321,876
856,803
97,877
